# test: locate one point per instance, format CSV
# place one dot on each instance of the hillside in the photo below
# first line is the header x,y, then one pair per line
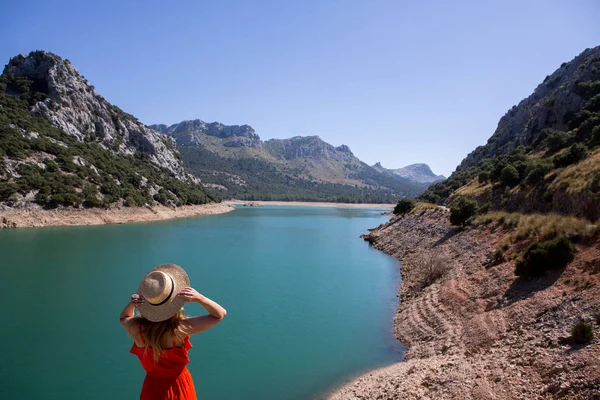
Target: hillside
x,y
544,155
62,144
235,163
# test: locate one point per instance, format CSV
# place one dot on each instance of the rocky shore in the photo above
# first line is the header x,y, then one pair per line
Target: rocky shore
x,y
475,331
19,218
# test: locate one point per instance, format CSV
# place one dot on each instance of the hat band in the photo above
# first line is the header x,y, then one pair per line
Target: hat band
x,y
168,297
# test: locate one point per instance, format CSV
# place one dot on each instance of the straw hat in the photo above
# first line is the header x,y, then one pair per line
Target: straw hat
x,y
159,288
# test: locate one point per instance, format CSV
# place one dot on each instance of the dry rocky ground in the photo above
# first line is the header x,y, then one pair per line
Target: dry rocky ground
x,y
19,218
478,332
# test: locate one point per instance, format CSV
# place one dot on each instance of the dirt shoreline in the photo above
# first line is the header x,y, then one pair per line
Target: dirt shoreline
x,y
310,204
478,332
20,218
14,218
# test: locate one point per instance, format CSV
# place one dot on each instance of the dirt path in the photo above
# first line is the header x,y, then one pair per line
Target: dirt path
x,y
478,333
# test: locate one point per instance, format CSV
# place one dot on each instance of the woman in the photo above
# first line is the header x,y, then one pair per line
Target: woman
x,y
161,334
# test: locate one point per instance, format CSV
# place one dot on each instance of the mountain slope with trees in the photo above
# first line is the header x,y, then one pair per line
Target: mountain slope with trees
x,y
545,154
62,144
235,163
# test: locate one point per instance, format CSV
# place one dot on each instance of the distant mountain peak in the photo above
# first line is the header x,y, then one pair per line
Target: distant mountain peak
x,y
419,172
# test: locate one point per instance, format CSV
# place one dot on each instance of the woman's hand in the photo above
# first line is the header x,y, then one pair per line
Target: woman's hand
x,y
190,294
136,300
128,313
198,324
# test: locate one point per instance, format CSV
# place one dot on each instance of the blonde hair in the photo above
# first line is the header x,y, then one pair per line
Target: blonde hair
x,y
155,333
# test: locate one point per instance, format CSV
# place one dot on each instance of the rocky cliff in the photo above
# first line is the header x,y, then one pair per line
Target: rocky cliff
x,y
553,104
189,132
72,105
63,143
308,147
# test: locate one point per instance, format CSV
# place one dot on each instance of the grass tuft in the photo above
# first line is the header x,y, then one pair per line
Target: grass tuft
x,y
582,333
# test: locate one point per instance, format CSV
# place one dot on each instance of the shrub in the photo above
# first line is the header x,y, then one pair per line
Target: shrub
x,y
574,154
6,190
509,176
462,211
90,197
496,171
545,256
371,239
52,166
586,129
536,173
595,184
498,256
597,317
437,267
593,104
595,136
485,208
484,177
404,206
582,333
556,140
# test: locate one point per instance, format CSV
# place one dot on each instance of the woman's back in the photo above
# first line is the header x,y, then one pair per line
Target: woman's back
x,y
172,360
162,334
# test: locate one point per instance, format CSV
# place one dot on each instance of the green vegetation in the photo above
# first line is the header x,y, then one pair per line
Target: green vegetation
x,y
531,163
572,155
64,171
509,176
582,333
545,256
254,178
404,206
462,211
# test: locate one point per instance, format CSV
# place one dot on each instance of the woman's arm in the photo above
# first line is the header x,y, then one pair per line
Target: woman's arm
x,y
198,324
128,312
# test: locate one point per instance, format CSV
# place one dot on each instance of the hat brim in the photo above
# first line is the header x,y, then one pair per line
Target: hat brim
x,y
174,303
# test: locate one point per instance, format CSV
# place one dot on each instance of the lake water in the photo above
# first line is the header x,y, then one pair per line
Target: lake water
x,y
309,304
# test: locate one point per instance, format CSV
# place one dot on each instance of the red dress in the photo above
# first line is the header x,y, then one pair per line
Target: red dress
x,y
169,378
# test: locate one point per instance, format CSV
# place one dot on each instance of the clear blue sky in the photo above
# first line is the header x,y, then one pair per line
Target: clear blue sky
x,y
399,82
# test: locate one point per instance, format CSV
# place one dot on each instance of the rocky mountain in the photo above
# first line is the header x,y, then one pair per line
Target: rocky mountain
x,y
415,172
61,143
544,155
188,132
236,163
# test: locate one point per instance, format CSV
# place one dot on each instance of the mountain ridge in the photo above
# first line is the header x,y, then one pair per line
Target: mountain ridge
x,y
314,169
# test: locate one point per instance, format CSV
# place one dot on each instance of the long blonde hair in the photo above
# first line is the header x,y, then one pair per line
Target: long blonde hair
x,y
155,333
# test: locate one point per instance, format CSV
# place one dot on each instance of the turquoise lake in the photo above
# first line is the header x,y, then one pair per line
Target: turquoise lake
x,y
310,304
